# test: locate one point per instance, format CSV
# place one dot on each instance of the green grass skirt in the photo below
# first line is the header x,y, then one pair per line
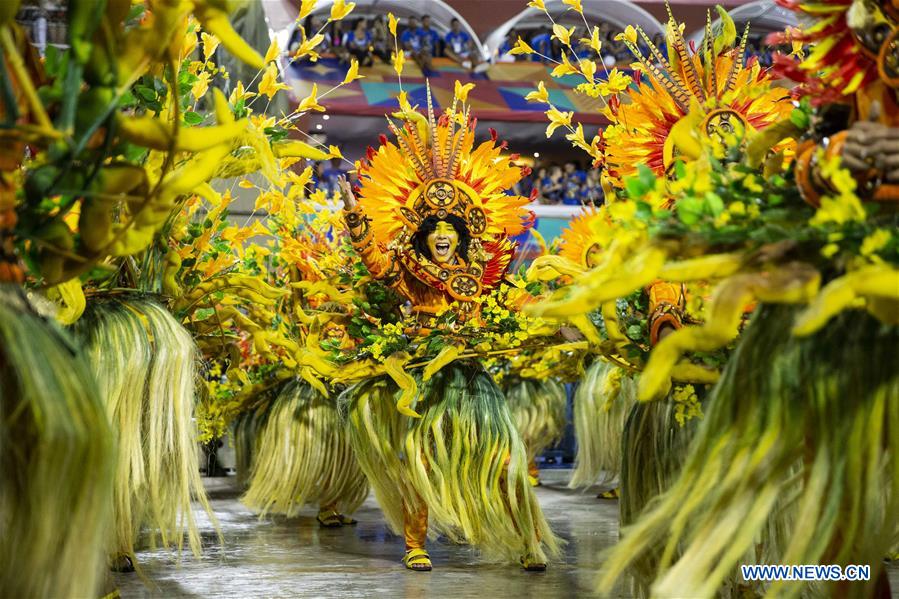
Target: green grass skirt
x,y
56,460
538,409
799,441
302,456
146,363
463,458
601,404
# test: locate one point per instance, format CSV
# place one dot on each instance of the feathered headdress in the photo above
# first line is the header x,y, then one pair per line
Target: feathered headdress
x,y
434,169
722,94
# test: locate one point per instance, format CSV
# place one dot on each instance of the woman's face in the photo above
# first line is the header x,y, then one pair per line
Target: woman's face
x,y
442,242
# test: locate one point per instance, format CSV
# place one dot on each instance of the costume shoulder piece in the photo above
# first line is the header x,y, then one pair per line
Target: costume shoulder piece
x,y
852,44
435,172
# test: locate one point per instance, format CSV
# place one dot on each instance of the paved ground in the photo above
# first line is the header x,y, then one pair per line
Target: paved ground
x,y
295,558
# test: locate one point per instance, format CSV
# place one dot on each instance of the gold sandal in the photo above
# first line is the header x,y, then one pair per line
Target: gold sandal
x,y
329,519
610,494
530,564
417,560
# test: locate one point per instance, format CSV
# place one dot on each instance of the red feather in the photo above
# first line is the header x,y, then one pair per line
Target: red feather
x,y
501,253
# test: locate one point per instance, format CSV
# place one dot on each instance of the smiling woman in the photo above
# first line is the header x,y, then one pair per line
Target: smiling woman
x,y
439,239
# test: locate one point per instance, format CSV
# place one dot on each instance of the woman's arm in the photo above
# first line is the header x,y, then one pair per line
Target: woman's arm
x,y
380,266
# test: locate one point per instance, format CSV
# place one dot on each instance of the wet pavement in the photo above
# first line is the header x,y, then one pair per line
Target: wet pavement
x,y
280,557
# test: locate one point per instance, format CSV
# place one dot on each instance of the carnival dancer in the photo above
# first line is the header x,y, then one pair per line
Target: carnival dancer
x,y
432,223
798,418
300,450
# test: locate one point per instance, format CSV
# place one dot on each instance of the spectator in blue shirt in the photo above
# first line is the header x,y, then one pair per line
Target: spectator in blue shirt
x,y
551,185
357,43
543,45
571,190
430,39
411,40
460,47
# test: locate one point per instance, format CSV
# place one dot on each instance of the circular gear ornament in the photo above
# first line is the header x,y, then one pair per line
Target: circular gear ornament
x,y
463,287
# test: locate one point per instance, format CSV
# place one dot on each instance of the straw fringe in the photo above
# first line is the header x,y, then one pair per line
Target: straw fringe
x,y
601,404
464,459
829,402
303,457
145,363
56,460
538,409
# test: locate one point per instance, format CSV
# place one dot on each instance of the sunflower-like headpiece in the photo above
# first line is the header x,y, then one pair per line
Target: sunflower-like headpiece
x,y
723,95
435,170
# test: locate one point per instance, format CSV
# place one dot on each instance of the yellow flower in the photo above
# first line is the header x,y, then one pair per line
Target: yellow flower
x,y
577,138
565,68
575,5
334,152
306,7
588,68
722,219
737,208
307,47
538,4
541,95
210,43
839,210
310,102
398,60
521,48
391,24
593,40
273,51
403,99
615,84
751,184
239,93
200,86
270,84
875,242
630,34
461,91
352,73
562,34
340,9
829,250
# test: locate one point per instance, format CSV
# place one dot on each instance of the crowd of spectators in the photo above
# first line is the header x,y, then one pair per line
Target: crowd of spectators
x,y
549,49
368,39
567,184
612,52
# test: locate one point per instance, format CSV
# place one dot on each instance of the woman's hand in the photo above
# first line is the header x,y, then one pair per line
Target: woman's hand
x,y
346,192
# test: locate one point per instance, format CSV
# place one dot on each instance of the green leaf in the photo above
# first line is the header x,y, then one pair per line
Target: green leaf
x,y
714,203
689,210
800,118
192,118
147,93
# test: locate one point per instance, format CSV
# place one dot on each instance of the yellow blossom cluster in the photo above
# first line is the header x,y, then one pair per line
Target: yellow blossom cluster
x,y
687,404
